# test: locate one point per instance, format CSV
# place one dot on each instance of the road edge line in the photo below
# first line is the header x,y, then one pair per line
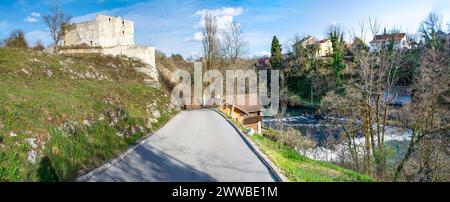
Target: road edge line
x,y
273,169
108,164
85,177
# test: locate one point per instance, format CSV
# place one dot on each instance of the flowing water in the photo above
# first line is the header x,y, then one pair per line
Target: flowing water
x,y
308,123
325,131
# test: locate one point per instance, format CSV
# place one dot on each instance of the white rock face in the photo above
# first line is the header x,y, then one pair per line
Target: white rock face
x,y
150,71
32,142
32,155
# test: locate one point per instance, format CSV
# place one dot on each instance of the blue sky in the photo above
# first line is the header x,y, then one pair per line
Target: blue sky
x,y
173,25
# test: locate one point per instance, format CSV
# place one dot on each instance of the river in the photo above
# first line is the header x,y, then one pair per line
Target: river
x,y
324,130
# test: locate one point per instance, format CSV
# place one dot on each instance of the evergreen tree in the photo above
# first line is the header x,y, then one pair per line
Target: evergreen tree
x,y
276,59
337,41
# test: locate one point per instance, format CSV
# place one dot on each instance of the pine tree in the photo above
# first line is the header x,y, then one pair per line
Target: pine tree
x,y
337,40
276,59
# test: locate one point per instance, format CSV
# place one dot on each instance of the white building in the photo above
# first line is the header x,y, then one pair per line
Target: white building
x,y
399,41
325,48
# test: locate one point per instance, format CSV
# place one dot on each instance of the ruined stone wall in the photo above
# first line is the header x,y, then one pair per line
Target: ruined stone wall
x,y
115,31
82,34
110,36
104,31
145,54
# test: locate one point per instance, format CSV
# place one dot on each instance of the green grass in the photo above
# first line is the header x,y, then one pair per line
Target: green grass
x,y
36,105
298,168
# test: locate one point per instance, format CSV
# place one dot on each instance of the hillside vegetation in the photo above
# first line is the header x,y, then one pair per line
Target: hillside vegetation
x,y
61,116
298,168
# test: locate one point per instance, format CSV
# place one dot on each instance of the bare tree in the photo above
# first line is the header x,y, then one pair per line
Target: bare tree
x,y
344,107
428,115
211,43
366,103
234,45
57,22
429,28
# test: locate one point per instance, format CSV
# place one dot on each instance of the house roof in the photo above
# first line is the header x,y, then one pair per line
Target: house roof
x,y
388,37
442,34
248,103
308,40
323,40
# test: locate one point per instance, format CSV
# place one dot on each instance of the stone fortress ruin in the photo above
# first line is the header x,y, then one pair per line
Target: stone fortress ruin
x,y
110,36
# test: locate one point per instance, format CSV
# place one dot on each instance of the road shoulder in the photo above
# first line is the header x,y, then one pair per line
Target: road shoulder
x,y
273,169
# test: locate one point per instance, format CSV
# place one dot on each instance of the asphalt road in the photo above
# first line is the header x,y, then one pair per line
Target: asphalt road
x,y
194,146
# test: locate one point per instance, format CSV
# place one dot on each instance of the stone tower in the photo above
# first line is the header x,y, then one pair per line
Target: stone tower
x,y
104,31
107,35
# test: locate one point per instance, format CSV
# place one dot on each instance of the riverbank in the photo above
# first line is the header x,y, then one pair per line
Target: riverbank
x,y
298,168
327,133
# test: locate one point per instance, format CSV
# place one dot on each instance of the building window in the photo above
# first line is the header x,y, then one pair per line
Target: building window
x,y
123,32
110,19
123,22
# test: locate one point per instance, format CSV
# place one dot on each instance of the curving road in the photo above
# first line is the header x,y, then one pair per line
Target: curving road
x,y
194,146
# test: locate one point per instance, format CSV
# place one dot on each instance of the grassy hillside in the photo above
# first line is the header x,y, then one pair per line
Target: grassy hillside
x,y
298,168
63,115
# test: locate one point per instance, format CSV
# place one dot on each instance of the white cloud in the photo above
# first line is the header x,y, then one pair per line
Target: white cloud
x,y
198,36
33,18
42,35
224,16
262,53
224,11
194,55
35,14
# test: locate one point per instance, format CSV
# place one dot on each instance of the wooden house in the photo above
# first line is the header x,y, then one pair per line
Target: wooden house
x,y
245,111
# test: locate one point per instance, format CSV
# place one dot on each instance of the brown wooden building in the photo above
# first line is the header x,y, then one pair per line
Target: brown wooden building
x,y
245,112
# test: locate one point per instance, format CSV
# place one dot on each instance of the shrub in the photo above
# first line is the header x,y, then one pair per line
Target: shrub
x,y
16,40
38,46
294,101
291,138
